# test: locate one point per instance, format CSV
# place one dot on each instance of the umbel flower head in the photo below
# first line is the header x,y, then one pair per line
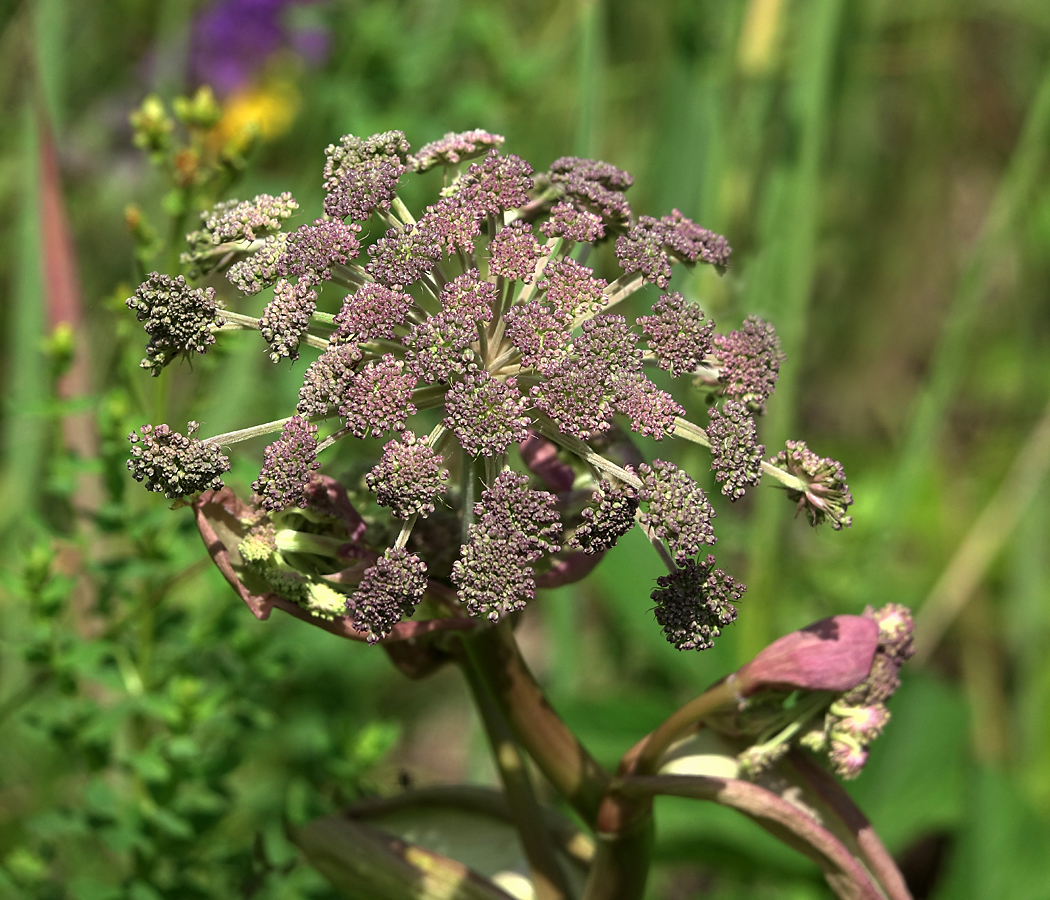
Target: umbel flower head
x,y
478,313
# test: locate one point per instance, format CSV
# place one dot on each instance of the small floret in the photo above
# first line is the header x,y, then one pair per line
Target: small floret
x,y
611,517
327,379
678,334
370,313
404,256
378,398
261,269
594,187
573,224
177,318
695,602
286,318
287,465
408,478
678,509
826,496
736,455
749,362
312,250
174,465
361,174
496,184
453,148
486,415
235,220
514,252
389,592
650,410
513,528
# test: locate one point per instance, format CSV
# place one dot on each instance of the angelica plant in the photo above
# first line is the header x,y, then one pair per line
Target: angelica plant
x,y
479,316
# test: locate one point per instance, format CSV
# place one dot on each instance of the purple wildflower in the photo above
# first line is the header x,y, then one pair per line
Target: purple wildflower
x,y
514,252
408,478
486,415
515,525
178,319
389,592
312,250
371,313
736,457
678,509
174,465
611,517
260,270
361,174
453,148
468,298
327,379
378,398
572,224
826,495
404,256
652,411
750,362
847,757
695,602
287,464
677,333
286,318
652,245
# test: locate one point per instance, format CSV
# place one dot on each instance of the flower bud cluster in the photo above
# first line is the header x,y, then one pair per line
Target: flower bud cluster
x,y
823,493
177,318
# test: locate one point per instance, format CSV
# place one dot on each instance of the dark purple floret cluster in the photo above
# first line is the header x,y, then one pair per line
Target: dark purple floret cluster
x,y
573,224
408,478
312,250
736,455
287,317
372,312
453,223
177,318
695,602
678,509
595,187
539,333
609,519
514,252
650,411
652,245
824,496
498,183
327,379
261,269
378,398
389,592
514,527
287,465
175,465
486,415
453,148
749,362
573,289
361,174
678,334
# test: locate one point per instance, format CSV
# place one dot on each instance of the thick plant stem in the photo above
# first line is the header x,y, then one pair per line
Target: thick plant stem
x,y
527,815
646,760
621,865
557,752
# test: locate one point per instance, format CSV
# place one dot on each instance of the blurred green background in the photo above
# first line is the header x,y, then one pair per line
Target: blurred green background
x,y
881,170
